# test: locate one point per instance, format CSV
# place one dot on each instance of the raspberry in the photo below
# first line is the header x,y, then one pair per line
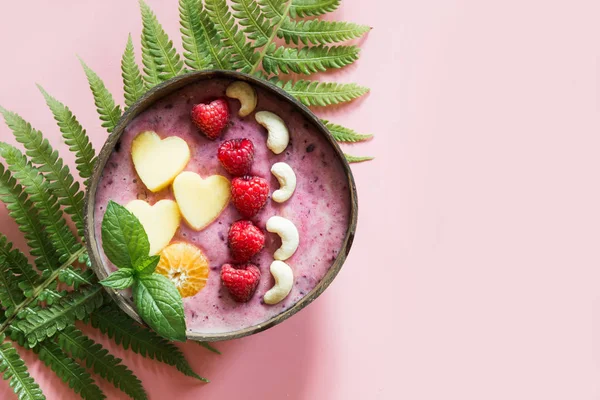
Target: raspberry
x,y
211,118
249,194
245,240
241,281
236,156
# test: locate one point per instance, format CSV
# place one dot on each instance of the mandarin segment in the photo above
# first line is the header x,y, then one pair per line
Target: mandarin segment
x,y
186,266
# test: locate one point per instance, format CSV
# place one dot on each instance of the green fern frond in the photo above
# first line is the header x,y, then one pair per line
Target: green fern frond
x,y
209,347
307,60
47,321
10,294
13,367
274,8
310,8
167,61
356,159
69,371
315,93
74,342
108,111
46,203
18,265
76,277
243,56
255,25
74,135
151,74
196,45
133,85
342,134
50,164
320,32
126,332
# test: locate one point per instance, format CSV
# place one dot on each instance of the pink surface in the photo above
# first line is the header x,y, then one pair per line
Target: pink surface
x,y
475,272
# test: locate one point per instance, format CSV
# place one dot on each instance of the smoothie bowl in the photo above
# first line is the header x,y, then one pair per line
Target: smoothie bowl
x,y
243,192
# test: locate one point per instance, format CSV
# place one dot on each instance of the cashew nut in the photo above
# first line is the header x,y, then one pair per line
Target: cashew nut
x,y
245,94
289,236
284,280
287,181
278,137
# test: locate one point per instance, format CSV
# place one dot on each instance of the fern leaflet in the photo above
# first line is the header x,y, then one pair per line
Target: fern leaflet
x,y
342,134
307,60
17,263
133,85
76,277
197,53
109,112
319,32
74,342
274,8
315,93
151,74
310,8
209,347
13,367
356,159
69,371
10,294
255,25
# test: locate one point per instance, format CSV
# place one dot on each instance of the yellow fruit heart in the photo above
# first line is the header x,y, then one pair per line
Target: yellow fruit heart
x,y
157,161
160,221
201,200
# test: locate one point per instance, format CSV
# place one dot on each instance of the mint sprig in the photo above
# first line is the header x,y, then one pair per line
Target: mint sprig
x,y
156,298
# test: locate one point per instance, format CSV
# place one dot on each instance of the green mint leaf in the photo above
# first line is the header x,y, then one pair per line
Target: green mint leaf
x,y
120,279
123,237
160,305
147,265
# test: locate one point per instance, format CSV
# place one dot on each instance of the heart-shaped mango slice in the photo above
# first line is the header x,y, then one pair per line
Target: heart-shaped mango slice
x,y
157,161
160,221
200,200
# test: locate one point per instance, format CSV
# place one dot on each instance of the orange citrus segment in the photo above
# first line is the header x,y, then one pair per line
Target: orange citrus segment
x,y
186,266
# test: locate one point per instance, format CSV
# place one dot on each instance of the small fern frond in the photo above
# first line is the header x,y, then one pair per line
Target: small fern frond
x,y
17,263
197,53
342,134
76,277
46,203
167,61
79,346
69,371
356,159
320,32
255,25
126,332
243,57
133,85
74,135
310,8
50,164
108,111
47,321
151,74
13,367
315,93
308,60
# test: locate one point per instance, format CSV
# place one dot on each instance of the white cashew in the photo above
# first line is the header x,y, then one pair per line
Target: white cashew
x,y
284,280
289,236
278,137
245,94
287,181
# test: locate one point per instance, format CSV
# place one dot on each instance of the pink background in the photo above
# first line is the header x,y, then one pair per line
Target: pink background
x,y
475,268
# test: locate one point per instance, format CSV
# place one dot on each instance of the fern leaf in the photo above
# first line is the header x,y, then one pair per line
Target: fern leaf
x,y
76,277
243,57
50,295
47,204
308,60
49,163
109,112
17,263
133,85
47,321
209,347
319,32
160,47
197,54
310,8
356,159
10,294
255,25
13,367
151,74
342,134
126,332
21,209
74,135
79,346
69,371
314,93
274,8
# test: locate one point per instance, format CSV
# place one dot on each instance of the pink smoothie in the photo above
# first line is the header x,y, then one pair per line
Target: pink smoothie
x,y
320,206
